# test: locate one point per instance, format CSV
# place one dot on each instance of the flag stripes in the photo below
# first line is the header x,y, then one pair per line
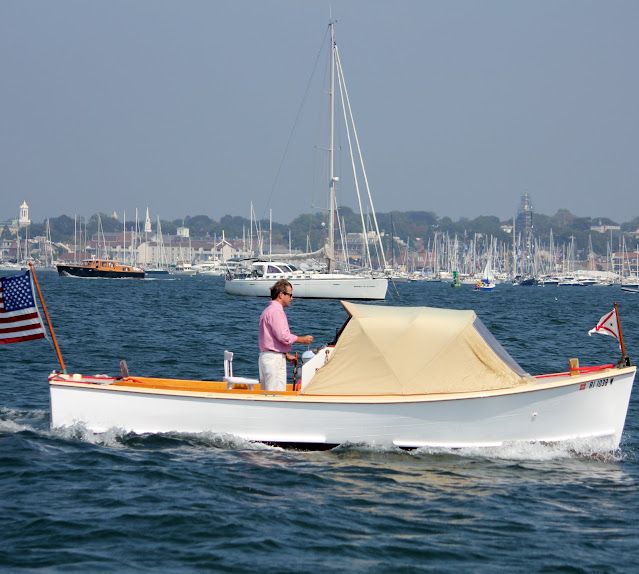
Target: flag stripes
x,y
19,317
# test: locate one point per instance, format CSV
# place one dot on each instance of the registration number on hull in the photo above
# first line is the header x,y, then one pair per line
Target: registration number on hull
x,y
597,384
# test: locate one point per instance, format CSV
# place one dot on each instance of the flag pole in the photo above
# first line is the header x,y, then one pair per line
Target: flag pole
x,y
46,315
624,357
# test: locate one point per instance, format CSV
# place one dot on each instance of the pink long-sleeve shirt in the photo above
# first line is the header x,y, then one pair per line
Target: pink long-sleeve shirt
x,y
274,334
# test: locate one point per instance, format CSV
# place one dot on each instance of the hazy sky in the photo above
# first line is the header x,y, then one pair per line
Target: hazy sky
x,y
187,106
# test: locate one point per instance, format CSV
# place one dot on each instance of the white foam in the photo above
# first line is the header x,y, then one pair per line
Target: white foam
x,y
599,448
15,421
368,448
229,441
78,431
13,427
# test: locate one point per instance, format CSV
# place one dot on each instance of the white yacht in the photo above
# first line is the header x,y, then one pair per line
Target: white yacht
x,y
7,266
213,267
258,279
184,268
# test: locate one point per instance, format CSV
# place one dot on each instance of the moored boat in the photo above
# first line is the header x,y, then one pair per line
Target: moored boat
x,y
156,272
260,277
184,268
337,282
10,267
100,268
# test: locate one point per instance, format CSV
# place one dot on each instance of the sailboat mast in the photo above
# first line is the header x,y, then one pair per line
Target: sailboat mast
x,y
330,255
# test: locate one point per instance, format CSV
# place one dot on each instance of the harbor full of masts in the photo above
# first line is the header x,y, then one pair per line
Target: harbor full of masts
x,y
464,258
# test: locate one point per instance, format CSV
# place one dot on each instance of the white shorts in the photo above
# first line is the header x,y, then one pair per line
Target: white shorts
x,y
272,371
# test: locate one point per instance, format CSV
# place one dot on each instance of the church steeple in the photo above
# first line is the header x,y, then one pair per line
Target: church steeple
x,y
23,219
147,222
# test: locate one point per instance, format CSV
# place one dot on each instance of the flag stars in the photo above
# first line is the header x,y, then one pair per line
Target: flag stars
x,y
17,293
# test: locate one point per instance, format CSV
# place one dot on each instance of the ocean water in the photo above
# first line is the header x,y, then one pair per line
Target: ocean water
x,y
75,501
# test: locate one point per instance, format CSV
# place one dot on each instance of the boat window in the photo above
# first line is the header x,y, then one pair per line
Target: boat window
x,y
273,269
292,267
495,345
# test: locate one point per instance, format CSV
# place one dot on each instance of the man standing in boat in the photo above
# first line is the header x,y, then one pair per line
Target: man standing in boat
x,y
275,338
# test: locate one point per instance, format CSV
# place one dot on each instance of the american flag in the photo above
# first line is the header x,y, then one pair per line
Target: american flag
x,y
19,317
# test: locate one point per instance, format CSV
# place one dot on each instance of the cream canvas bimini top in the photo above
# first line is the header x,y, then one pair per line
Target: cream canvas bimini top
x,y
385,350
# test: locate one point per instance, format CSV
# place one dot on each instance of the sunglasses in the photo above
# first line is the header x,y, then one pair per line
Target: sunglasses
x,y
289,294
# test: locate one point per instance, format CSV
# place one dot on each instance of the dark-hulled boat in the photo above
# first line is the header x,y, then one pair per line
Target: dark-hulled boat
x,y
100,268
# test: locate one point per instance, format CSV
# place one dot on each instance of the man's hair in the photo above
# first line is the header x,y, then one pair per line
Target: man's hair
x,y
281,286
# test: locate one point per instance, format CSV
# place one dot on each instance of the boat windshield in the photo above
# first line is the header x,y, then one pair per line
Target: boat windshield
x,y
496,346
338,332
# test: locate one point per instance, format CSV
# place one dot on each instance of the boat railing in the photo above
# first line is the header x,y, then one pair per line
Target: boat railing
x,y
578,370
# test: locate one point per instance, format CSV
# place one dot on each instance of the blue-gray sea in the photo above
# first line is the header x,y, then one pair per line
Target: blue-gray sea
x,y
75,501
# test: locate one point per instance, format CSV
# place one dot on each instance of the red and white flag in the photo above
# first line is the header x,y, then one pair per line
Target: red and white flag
x,y
607,325
19,316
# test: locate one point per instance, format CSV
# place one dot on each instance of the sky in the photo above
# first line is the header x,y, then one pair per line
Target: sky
x,y
202,107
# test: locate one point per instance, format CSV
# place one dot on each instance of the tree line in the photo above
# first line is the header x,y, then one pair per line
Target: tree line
x,y
309,230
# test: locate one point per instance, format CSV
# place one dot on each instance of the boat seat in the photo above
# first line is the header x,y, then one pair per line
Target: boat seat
x,y
230,380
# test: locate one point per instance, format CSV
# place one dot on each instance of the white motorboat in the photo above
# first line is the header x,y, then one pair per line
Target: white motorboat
x,y
213,268
260,277
184,268
397,376
9,267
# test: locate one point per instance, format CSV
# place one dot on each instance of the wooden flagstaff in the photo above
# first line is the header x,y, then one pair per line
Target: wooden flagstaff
x,y
46,315
624,357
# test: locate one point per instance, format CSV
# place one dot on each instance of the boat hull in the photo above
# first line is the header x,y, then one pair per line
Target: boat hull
x,y
89,272
562,409
316,287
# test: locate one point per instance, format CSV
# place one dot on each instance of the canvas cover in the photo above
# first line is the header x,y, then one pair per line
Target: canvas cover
x,y
414,350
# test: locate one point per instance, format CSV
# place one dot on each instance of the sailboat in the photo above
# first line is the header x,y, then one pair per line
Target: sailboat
x,y
487,281
331,284
160,266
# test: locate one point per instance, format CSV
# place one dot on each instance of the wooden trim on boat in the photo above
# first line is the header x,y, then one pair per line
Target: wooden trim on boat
x,y
218,390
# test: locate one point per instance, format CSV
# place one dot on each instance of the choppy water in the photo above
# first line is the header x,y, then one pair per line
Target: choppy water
x,y
71,500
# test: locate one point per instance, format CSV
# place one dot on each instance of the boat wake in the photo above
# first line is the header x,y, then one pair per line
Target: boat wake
x,y
13,421
16,420
119,438
10,427
597,448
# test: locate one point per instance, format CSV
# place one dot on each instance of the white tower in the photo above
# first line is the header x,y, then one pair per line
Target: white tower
x,y
147,223
23,220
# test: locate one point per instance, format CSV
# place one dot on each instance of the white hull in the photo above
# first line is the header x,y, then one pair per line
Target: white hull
x,y
318,286
558,408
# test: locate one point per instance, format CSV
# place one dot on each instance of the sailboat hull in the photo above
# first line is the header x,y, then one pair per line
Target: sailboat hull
x,y
319,286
